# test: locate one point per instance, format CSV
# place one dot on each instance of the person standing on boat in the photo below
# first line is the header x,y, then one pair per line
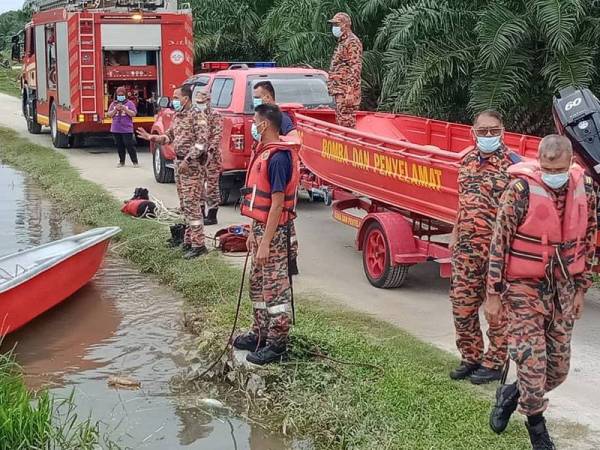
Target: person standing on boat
x,y
269,199
482,177
211,194
122,111
190,135
541,258
345,71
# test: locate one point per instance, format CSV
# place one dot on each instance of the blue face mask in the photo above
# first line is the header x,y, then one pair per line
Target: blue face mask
x,y
176,104
120,98
488,144
555,180
255,132
337,31
256,101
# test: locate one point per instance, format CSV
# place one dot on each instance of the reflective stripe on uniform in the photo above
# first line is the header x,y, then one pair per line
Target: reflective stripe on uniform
x,y
278,309
196,223
259,305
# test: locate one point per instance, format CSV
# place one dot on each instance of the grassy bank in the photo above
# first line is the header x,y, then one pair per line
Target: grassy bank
x,y
9,81
406,402
28,421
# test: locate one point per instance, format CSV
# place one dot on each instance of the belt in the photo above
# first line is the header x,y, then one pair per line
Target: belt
x,y
180,158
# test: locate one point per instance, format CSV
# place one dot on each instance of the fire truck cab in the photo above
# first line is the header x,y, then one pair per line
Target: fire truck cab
x,y
230,86
76,53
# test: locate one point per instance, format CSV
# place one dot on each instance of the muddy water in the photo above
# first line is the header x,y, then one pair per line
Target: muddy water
x,y
122,323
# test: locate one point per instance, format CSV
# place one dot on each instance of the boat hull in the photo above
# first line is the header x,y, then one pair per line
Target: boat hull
x,y
23,303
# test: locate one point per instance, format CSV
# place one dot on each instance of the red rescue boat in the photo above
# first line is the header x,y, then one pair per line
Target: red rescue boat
x,y
394,178
37,279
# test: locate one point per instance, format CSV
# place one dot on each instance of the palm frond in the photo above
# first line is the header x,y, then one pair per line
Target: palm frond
x,y
574,68
557,21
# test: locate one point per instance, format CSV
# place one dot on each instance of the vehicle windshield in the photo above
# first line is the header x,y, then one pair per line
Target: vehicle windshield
x,y
310,90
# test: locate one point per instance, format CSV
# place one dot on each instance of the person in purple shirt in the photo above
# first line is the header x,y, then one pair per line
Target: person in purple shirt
x,y
122,112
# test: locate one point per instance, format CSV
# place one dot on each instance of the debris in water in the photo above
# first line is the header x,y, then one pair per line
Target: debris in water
x,y
211,402
124,382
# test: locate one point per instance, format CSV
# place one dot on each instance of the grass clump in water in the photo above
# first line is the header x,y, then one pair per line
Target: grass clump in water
x,y
409,403
39,421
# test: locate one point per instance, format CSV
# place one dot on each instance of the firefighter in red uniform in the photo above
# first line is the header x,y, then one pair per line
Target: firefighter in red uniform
x,y
541,259
269,198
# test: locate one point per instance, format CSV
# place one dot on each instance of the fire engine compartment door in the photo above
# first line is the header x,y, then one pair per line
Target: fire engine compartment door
x,y
40,62
131,37
62,61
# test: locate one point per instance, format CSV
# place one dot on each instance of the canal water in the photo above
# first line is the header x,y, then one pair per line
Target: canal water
x,y
122,323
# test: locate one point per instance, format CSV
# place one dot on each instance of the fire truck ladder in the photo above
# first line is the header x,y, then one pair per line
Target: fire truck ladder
x,y
45,5
87,69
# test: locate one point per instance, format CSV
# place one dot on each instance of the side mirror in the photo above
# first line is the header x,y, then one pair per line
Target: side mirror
x,y
163,102
16,49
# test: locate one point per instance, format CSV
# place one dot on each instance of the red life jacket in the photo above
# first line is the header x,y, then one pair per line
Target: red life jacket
x,y
256,201
138,207
542,235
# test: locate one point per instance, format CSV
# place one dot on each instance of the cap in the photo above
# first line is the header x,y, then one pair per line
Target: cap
x,y
341,17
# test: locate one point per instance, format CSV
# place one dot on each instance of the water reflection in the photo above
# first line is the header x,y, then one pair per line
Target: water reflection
x,y
122,323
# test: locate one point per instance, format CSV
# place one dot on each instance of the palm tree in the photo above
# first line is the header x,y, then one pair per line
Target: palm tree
x,y
451,58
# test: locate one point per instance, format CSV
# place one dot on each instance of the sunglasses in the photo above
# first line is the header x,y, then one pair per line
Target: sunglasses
x,y
496,131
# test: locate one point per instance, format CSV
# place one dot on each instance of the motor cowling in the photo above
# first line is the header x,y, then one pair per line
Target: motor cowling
x,y
577,116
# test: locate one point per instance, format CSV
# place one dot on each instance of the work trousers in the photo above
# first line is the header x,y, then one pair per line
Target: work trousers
x,y
467,293
189,189
125,141
211,194
539,340
270,290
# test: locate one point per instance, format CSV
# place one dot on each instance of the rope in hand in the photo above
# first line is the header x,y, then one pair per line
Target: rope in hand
x,y
235,320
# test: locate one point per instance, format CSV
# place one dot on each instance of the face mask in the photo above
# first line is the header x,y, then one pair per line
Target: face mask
x,y
488,144
201,107
177,104
337,31
555,180
120,98
256,101
255,132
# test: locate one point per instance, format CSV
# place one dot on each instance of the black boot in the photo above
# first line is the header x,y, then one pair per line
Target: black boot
x,y
177,233
540,439
483,375
507,399
249,341
186,247
194,252
463,371
211,218
268,354
294,267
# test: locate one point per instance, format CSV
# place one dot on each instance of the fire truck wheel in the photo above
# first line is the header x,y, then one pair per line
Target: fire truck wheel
x,y
30,116
60,140
162,173
224,190
377,262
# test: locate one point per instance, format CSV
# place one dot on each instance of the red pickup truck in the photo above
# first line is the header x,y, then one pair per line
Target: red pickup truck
x,y
230,86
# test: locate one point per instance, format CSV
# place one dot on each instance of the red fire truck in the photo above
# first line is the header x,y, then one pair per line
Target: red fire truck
x,y
76,53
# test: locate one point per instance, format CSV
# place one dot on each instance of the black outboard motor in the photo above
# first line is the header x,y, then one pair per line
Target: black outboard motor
x,y
577,116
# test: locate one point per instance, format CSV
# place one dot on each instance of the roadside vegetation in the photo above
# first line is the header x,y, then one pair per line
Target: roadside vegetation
x,y
9,81
376,387
39,421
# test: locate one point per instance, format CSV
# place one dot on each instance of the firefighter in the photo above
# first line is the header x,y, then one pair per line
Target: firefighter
x,y
540,267
211,195
269,198
189,133
482,177
264,93
345,71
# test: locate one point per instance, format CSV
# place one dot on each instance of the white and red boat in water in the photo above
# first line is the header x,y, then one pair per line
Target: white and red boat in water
x,y
34,280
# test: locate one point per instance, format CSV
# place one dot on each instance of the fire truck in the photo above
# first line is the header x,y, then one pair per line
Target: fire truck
x,y
76,54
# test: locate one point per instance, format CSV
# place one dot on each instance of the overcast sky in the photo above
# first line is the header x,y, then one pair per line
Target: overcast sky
x,y
7,5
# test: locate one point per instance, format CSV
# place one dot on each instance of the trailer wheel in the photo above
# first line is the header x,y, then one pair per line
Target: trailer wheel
x,y
30,115
377,262
60,140
162,173
224,190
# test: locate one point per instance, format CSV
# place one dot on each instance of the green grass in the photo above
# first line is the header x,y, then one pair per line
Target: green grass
x,y
9,81
411,404
29,421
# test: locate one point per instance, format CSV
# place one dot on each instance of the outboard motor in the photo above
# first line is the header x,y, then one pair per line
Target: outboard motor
x,y
577,116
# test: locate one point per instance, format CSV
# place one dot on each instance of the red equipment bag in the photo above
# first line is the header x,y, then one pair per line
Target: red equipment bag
x,y
139,205
233,238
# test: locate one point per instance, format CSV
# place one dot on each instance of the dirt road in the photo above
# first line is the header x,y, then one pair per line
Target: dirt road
x,y
329,264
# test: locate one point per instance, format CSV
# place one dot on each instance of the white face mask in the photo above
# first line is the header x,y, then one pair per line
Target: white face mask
x,y
555,180
337,31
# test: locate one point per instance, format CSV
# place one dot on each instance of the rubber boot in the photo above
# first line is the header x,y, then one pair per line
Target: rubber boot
x,y
211,218
177,233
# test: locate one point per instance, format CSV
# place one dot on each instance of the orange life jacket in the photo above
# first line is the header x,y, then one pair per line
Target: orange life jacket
x,y
256,201
542,235
138,207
